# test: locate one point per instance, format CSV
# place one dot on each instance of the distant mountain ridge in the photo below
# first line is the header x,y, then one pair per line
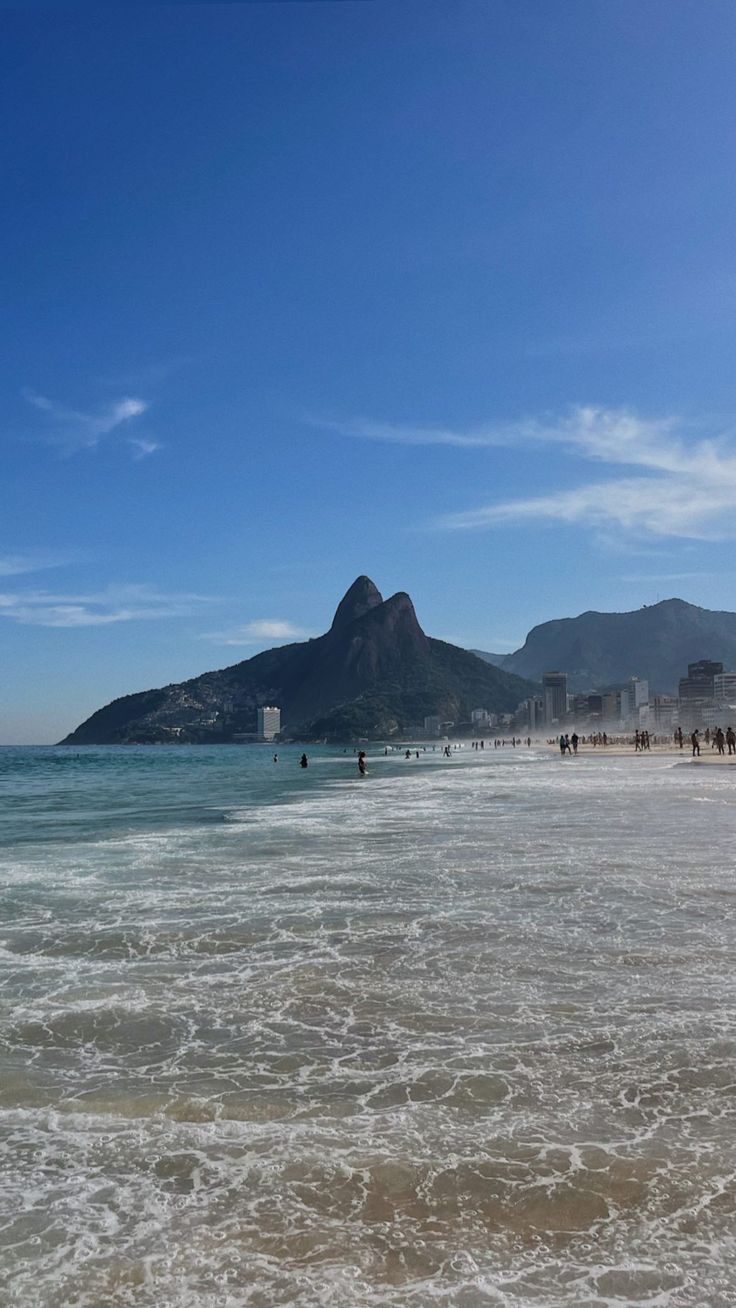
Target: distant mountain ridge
x,y
656,642
372,675
496,659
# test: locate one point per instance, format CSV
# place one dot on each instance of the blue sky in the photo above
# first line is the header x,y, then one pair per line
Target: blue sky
x,y
443,293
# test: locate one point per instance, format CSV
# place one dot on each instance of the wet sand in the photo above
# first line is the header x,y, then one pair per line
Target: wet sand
x,y
684,755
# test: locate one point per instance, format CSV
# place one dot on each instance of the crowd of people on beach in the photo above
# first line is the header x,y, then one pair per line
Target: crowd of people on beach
x,y
718,739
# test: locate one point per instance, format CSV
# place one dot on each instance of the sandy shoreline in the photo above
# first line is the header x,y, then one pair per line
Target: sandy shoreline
x,y
684,755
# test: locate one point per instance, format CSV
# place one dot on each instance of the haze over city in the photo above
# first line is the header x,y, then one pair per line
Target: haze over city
x,y
294,292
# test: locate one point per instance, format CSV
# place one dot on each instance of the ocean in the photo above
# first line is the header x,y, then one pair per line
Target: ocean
x,y
460,1033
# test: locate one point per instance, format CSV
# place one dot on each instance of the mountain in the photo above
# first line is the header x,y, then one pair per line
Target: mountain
x,y
656,642
496,659
373,674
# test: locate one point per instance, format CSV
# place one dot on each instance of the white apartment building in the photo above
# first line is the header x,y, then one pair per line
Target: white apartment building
x,y
269,722
635,700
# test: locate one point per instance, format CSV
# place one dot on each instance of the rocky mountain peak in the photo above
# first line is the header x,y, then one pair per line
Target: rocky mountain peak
x,y
362,596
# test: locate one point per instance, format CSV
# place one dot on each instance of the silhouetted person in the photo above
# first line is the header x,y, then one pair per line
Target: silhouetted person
x,y
574,739
695,742
303,761
362,765
731,740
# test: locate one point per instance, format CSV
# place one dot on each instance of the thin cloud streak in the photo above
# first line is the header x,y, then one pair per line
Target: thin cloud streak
x,y
677,576
654,506
404,434
254,633
133,603
76,430
16,563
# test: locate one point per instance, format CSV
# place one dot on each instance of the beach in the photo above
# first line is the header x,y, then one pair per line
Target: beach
x,y
460,1032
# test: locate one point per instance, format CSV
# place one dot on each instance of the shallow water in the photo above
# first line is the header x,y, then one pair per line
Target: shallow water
x,y
458,1034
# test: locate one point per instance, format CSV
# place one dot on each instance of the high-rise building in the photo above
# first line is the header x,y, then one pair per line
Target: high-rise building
x,y
534,711
554,687
638,694
664,710
269,722
698,684
724,687
611,706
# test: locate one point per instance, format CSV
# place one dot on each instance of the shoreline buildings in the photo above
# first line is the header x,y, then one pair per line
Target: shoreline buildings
x,y
706,698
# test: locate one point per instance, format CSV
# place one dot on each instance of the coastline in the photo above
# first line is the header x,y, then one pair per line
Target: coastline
x,y
684,755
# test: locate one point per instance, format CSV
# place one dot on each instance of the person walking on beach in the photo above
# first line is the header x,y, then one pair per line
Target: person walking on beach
x,y
678,737
731,740
562,746
720,740
695,742
574,739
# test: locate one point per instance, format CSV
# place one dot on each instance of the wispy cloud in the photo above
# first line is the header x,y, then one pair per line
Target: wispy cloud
x,y
142,448
683,488
407,433
678,576
44,608
75,429
254,633
14,563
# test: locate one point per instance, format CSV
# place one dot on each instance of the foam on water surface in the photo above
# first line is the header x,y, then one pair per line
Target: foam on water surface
x,y
458,1034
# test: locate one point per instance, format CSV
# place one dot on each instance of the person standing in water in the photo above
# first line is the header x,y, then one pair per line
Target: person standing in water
x,y
362,765
303,761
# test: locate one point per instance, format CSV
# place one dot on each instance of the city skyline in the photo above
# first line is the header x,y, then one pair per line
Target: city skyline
x,y
296,292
